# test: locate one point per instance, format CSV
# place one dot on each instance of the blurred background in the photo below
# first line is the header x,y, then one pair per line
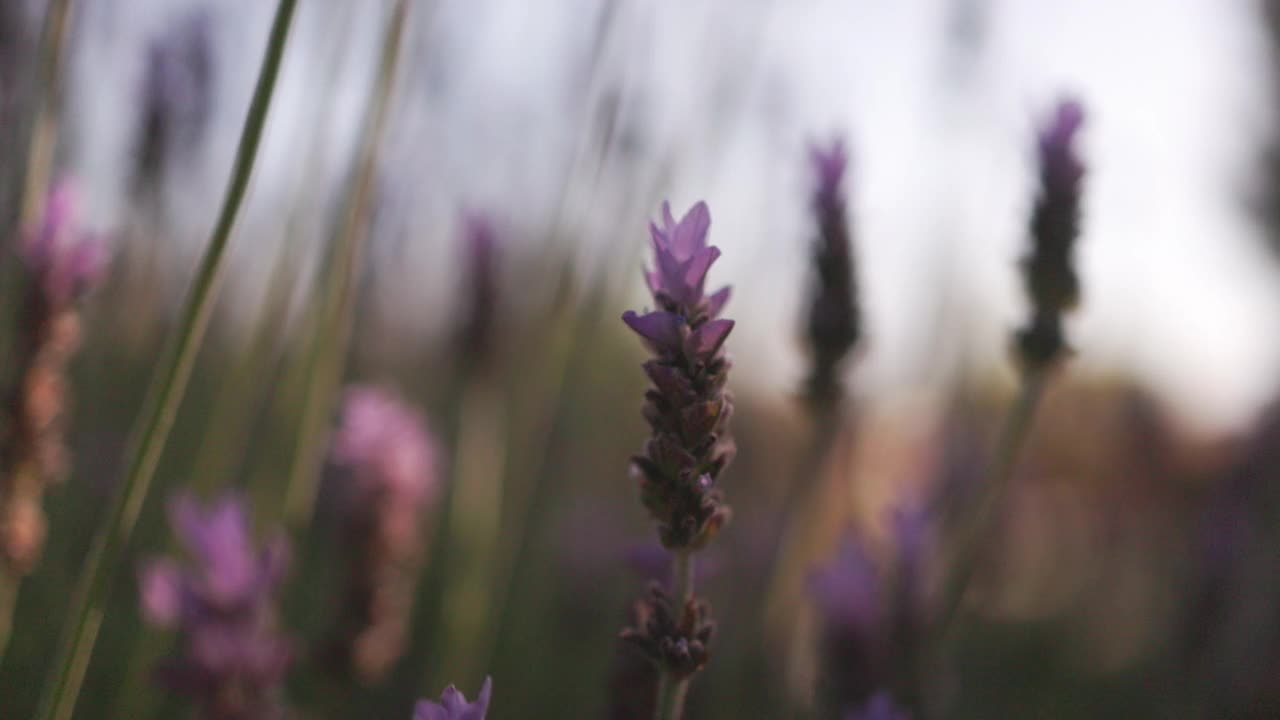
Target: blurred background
x,y
565,125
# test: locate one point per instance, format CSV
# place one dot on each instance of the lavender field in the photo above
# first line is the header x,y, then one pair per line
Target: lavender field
x,y
639,359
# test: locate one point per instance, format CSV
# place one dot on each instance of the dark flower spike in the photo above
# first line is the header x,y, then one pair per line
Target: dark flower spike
x,y
834,322
453,705
482,244
1049,274
677,640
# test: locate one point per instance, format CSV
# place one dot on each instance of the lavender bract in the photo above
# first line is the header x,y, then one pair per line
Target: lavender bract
x,y
389,481
61,262
834,323
233,656
453,705
1050,277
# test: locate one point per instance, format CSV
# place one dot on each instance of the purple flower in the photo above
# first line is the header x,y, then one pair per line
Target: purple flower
x,y
1048,273
390,479
233,657
848,589
879,707
681,260
453,705
63,259
834,322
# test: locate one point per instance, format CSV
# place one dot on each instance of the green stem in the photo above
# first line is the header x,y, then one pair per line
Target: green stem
x,y
1013,435
671,690
326,364
163,398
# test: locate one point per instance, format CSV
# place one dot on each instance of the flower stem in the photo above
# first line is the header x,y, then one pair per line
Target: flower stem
x,y
1013,435
166,391
327,359
671,690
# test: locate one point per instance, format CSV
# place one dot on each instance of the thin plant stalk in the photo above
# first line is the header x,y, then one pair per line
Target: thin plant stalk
x,y
327,359
1013,436
672,690
168,387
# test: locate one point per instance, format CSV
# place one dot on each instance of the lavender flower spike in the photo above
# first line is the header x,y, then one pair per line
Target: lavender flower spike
x,y
453,705
834,324
61,262
482,243
233,657
389,480
688,411
1050,278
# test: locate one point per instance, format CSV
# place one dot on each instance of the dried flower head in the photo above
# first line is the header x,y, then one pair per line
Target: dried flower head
x,y
1049,275
453,705
233,656
677,640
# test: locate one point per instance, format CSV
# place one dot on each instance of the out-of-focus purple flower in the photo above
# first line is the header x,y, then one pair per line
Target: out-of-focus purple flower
x,y
872,613
233,656
879,707
1048,273
389,476
481,241
834,323
177,94
62,258
61,261
453,705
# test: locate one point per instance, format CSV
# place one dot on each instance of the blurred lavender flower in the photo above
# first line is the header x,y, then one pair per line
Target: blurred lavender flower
x,y
1050,278
233,656
390,480
834,325
453,705
61,262
481,241
177,94
872,614
879,707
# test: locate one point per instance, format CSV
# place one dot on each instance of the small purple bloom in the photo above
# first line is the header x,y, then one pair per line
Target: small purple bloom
x,y
62,258
879,707
233,657
834,320
681,257
453,705
386,443
1059,160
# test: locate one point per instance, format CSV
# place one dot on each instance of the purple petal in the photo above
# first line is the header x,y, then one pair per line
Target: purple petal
x,y
717,301
661,330
707,339
691,233
160,591
695,272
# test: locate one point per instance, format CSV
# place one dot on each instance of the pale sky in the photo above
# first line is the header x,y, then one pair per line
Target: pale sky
x,y
718,97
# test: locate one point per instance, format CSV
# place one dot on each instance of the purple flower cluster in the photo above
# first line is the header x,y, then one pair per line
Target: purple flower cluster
x,y
834,323
61,262
390,479
233,656
453,705
688,407
872,615
1049,275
